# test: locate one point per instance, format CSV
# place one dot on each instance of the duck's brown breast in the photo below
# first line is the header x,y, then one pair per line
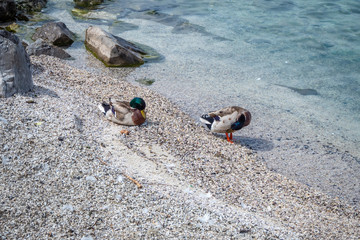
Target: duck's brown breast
x,y
137,117
247,118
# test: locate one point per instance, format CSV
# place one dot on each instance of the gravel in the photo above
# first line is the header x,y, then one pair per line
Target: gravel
x,y
67,173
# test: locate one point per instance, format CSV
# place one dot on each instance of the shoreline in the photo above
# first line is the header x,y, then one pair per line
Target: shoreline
x,y
188,189
291,141
311,139
303,154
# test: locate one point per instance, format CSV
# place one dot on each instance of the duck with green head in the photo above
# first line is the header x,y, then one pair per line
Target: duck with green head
x,y
227,120
125,113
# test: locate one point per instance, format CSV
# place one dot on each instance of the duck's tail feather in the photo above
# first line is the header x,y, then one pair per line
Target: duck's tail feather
x,y
207,120
104,107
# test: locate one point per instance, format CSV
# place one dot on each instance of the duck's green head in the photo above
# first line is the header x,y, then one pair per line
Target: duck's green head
x,y
138,103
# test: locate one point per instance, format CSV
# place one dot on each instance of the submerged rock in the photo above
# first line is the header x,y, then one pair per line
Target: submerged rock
x,y
87,3
111,50
41,47
55,33
12,27
145,81
88,14
29,6
15,73
180,25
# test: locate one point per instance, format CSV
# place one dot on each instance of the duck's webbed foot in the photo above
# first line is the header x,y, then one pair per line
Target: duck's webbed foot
x,y
229,138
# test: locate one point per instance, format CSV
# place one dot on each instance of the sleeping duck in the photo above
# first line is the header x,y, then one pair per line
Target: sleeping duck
x,y
125,113
227,120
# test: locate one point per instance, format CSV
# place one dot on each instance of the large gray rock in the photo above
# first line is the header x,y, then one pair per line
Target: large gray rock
x,y
111,50
15,72
41,47
55,33
7,10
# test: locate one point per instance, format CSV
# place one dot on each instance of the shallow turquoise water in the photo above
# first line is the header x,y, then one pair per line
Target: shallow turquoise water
x,y
294,64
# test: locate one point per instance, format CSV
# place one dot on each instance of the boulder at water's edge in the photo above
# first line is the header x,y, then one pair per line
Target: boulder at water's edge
x,y
55,33
111,50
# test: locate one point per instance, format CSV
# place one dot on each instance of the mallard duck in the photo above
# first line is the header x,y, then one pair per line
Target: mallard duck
x,y
227,120
125,113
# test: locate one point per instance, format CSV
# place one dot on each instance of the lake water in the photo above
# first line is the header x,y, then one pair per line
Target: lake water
x,y
294,64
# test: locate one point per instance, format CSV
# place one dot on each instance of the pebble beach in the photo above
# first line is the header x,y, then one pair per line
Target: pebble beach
x,y
67,173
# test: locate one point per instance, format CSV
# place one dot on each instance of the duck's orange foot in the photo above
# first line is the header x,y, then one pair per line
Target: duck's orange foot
x,y
229,138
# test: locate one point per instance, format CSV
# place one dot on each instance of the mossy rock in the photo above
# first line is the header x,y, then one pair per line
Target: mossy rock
x,y
80,13
152,12
107,64
87,3
40,17
85,13
30,6
14,27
